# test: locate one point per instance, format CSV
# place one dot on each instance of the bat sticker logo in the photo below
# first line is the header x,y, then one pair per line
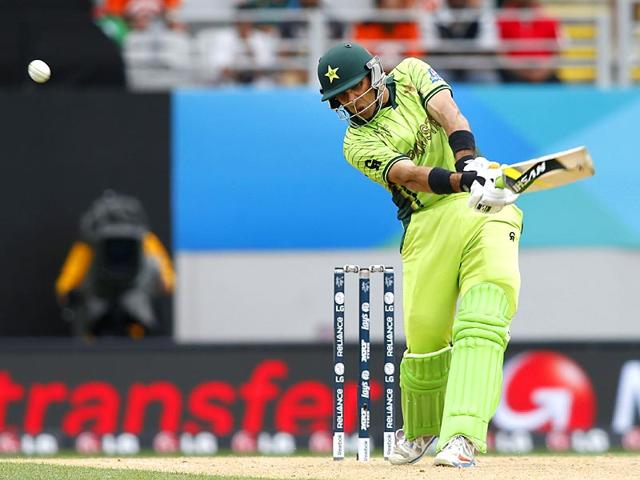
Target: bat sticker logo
x,y
525,180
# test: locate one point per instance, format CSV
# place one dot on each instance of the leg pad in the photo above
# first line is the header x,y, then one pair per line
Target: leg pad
x,y
480,336
423,380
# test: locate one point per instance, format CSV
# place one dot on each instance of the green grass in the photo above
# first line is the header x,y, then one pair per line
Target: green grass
x,y
33,471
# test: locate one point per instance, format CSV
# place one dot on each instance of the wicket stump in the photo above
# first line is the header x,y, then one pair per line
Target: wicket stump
x,y
364,387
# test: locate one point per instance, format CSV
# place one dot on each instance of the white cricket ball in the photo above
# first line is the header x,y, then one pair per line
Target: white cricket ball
x,y
39,71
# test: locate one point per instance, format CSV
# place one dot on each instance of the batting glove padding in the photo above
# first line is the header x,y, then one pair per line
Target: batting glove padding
x,y
478,164
485,196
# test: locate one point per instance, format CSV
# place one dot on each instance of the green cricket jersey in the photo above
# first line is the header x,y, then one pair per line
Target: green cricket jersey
x,y
402,129
469,259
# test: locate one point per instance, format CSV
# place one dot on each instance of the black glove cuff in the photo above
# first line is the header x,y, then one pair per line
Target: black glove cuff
x,y
461,163
468,178
462,140
440,181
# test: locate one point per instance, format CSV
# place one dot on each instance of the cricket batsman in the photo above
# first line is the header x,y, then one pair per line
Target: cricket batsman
x,y
460,246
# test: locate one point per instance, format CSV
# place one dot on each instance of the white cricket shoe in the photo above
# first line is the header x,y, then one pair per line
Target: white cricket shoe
x,y
459,452
409,451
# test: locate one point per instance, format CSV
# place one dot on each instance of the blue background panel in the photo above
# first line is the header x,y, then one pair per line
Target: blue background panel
x,y
263,169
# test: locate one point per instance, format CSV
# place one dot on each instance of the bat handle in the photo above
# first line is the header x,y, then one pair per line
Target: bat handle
x,y
500,180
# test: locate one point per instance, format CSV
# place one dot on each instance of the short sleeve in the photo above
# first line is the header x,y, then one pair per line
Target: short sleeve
x,y
426,80
371,156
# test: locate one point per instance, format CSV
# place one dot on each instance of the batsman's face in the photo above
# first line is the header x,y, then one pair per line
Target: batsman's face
x,y
360,99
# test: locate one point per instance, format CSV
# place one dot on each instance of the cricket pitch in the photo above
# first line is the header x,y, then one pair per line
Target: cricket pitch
x,y
542,467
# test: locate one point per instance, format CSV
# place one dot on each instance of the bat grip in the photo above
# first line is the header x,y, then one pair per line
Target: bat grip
x,y
500,182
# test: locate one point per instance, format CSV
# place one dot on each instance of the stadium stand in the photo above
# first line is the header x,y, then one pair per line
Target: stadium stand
x,y
587,51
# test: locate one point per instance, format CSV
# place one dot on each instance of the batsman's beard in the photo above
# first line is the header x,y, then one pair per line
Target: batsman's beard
x,y
348,114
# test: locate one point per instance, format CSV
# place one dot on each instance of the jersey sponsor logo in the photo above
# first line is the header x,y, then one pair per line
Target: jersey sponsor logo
x,y
423,138
373,164
512,236
422,141
433,75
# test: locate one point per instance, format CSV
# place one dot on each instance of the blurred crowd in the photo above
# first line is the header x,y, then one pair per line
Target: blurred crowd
x,y
466,40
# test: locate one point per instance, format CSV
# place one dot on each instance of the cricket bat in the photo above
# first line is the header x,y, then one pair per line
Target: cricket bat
x,y
550,171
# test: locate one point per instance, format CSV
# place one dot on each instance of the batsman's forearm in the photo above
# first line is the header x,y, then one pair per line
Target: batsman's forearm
x,y
463,145
464,181
440,181
420,178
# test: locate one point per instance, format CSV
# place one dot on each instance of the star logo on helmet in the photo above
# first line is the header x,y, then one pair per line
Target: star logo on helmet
x,y
332,73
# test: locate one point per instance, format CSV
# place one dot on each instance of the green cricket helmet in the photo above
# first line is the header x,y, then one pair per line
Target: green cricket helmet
x,y
343,67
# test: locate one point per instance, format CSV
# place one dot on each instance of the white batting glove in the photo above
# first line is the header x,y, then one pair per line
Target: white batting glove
x,y
478,164
488,198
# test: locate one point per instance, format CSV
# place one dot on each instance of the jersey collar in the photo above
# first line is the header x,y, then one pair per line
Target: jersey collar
x,y
391,86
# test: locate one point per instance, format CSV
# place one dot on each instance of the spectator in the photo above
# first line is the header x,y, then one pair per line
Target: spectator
x,y
295,33
264,4
525,21
121,16
474,31
242,53
392,41
114,273
299,29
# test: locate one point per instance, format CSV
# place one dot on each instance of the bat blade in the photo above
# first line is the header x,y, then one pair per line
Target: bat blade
x,y
550,171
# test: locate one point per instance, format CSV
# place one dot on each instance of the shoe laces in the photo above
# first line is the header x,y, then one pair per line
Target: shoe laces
x,y
463,445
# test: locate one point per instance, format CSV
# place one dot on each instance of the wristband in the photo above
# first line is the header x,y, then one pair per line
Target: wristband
x,y
462,140
467,179
440,181
462,162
